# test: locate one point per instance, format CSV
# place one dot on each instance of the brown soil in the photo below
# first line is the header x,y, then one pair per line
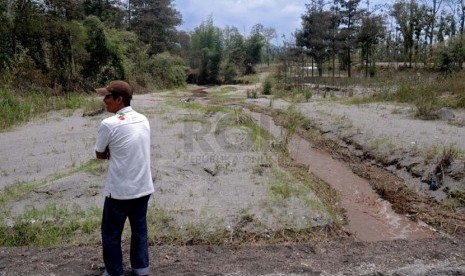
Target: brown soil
x,y
337,257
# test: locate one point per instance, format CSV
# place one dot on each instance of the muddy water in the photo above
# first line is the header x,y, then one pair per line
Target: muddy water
x,y
370,218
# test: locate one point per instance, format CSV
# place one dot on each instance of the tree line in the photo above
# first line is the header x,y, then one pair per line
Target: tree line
x,y
409,31
74,45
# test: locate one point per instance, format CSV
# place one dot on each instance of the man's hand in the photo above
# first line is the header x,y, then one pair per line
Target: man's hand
x,y
103,155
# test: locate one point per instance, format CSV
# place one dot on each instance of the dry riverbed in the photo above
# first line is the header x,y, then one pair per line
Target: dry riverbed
x,y
219,178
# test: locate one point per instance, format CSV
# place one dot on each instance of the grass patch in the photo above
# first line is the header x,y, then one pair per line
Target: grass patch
x,y
249,79
17,190
382,143
446,153
425,99
294,204
292,121
189,119
285,186
17,109
239,119
283,190
207,109
456,199
52,226
221,99
163,229
224,89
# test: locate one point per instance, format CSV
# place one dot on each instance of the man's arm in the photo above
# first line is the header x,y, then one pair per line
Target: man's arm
x,y
103,155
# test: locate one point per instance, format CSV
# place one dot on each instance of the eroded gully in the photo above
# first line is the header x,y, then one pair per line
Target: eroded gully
x,y
369,218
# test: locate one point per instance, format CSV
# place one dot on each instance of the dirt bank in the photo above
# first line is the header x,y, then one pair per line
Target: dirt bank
x,y
380,151
401,258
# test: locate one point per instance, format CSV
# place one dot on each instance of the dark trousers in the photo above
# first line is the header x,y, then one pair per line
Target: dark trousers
x,y
114,216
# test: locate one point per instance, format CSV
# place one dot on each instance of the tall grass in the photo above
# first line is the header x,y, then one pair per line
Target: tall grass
x,y
293,121
16,109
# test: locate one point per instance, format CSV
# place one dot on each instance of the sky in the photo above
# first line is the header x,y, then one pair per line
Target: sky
x,y
282,15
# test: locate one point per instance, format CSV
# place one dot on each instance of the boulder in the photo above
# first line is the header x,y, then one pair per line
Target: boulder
x,y
445,114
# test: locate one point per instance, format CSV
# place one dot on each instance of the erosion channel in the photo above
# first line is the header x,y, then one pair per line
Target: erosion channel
x,y
369,217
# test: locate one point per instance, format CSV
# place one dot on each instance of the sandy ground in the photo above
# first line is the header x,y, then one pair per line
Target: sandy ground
x,y
197,161
214,176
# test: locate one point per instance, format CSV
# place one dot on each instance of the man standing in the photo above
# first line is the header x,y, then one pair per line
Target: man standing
x,y
124,139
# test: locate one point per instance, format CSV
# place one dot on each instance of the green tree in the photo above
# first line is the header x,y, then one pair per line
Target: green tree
x,y
233,54
371,32
316,35
433,11
253,49
350,16
66,52
6,35
155,21
108,11
207,49
408,17
449,56
64,41
28,27
234,51
267,35
183,42
134,55
66,10
104,63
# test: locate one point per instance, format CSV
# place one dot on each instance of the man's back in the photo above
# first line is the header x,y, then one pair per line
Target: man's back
x,y
127,135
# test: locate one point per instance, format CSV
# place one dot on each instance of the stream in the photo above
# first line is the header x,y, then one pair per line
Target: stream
x,y
369,218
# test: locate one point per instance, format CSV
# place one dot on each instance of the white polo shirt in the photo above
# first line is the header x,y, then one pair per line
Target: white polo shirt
x,y
127,135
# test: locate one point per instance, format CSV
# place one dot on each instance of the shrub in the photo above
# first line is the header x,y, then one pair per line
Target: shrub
x,y
12,109
404,94
308,93
447,57
426,102
267,87
251,93
425,98
167,71
445,62
229,73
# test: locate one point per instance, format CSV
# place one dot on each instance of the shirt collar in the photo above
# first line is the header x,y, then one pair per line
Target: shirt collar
x,y
124,109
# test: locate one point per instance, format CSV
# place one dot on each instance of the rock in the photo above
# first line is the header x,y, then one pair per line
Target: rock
x,y
445,114
212,169
409,162
418,171
93,112
456,169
